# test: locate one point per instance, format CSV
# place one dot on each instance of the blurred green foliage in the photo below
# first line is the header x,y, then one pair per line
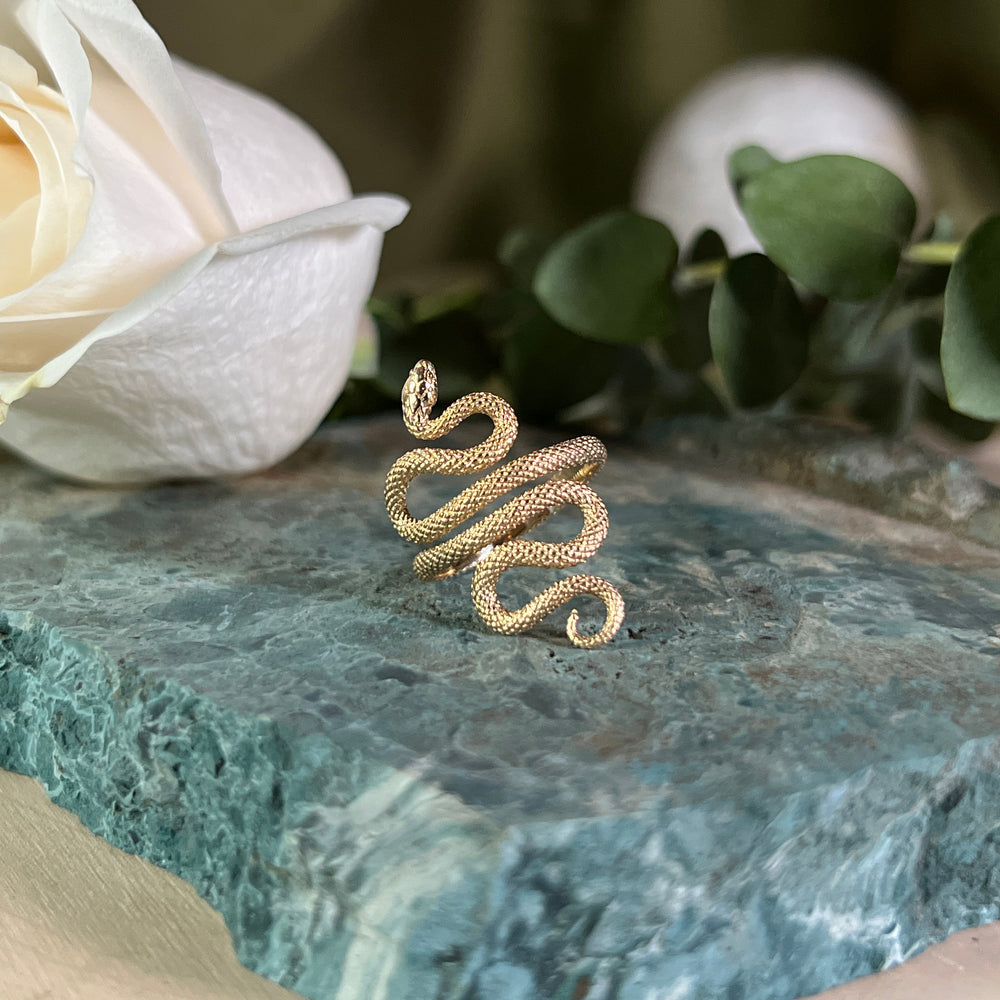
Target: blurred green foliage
x,y
610,325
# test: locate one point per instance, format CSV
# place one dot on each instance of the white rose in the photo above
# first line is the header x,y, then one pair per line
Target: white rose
x,y
793,108
182,267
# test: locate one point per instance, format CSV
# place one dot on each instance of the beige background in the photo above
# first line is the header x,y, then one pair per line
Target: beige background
x,y
489,114
80,920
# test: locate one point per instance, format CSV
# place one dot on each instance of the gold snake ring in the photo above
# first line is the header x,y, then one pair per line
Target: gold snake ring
x,y
493,545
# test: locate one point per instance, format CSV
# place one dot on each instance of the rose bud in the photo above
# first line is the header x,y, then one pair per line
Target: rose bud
x,y
183,268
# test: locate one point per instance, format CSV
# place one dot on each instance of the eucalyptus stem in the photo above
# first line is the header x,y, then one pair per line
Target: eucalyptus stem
x,y
707,272
703,272
932,252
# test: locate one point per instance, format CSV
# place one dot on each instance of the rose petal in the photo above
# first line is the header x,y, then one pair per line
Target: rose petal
x,y
137,91
382,211
17,230
191,359
20,176
375,212
225,374
137,231
39,118
43,25
23,341
273,165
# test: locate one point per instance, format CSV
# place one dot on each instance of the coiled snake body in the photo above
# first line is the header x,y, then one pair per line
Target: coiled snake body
x,y
493,545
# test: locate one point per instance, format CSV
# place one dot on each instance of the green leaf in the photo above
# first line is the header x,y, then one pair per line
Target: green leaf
x,y
392,311
610,279
747,162
449,299
844,332
707,245
837,224
688,348
551,368
970,342
758,330
521,251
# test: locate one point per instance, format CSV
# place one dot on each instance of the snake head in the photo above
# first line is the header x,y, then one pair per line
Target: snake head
x,y
419,392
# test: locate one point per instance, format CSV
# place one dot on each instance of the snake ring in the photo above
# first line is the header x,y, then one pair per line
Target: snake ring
x,y
494,545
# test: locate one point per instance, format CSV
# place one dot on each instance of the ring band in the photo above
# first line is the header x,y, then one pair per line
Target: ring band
x,y
495,544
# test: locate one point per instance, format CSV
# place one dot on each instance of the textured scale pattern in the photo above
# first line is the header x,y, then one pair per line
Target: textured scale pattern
x,y
493,545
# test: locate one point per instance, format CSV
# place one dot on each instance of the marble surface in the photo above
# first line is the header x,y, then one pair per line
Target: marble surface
x,y
791,748
82,920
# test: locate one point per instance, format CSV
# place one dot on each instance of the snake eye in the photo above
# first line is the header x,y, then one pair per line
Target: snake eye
x,y
421,385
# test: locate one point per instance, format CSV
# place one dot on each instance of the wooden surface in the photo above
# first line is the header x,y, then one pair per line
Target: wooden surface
x,y
80,920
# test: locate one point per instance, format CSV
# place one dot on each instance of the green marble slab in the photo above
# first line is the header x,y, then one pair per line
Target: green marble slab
x,y
783,773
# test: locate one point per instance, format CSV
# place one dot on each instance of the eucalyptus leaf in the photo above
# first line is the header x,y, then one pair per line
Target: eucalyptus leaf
x,y
688,348
747,162
844,333
911,313
451,299
536,348
970,340
391,311
610,279
521,251
758,330
706,245
837,224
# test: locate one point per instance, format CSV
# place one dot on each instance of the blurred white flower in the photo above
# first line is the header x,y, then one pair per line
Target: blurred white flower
x,y
791,107
183,268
